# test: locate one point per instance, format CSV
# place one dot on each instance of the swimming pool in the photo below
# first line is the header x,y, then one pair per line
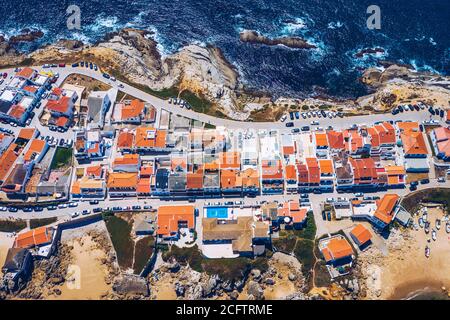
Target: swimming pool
x,y
217,212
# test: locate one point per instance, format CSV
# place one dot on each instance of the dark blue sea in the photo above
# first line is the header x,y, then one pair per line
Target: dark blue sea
x,y
412,31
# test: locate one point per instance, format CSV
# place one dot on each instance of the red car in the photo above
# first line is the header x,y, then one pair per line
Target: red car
x,y
62,65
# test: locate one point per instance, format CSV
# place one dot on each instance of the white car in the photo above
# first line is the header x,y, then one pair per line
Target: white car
x,y
73,204
283,118
3,209
314,123
62,206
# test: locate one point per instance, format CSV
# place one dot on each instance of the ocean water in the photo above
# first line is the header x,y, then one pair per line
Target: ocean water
x,y
412,31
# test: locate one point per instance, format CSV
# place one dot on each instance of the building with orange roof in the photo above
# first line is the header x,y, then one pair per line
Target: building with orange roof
x,y
28,134
405,126
144,187
291,215
448,117
178,163
414,144
385,210
26,73
147,169
290,176
440,138
321,140
230,160
60,103
36,151
122,184
125,141
355,144
230,181
335,140
95,171
127,163
336,250
133,112
149,138
36,237
272,176
171,219
194,181
7,160
91,185
364,171
361,236
250,181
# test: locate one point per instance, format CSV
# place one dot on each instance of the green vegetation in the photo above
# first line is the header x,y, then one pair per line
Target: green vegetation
x,y
228,269
309,232
12,226
209,126
286,244
62,158
305,107
142,253
198,104
304,253
324,107
321,275
436,195
36,223
120,233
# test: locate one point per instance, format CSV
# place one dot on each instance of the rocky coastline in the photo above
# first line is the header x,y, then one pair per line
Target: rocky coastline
x,y
255,37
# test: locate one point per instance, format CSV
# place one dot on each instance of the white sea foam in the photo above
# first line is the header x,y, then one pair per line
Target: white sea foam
x,y
335,25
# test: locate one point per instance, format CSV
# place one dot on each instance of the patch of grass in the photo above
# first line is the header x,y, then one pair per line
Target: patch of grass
x,y
184,256
309,232
36,223
120,233
209,126
62,158
12,226
321,275
304,253
142,253
198,104
286,244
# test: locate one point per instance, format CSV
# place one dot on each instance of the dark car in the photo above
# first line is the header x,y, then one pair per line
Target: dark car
x,y
295,130
400,108
107,76
75,65
323,113
304,195
150,207
441,113
191,200
93,202
329,216
13,209
416,107
305,128
136,207
82,63
289,124
96,210
431,110
414,183
291,115
27,209
37,209
297,115
413,187
324,216
425,181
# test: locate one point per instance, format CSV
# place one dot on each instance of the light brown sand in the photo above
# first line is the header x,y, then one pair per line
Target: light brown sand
x,y
88,257
412,267
6,242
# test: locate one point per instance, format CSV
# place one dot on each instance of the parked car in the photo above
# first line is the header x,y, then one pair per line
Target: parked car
x,y
75,65
441,179
27,209
75,214
147,207
425,181
12,209
289,124
136,207
38,209
73,204
85,212
359,194
97,210
51,208
295,130
62,206
93,202
305,128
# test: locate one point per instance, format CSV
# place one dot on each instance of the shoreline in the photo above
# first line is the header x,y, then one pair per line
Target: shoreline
x,y
419,290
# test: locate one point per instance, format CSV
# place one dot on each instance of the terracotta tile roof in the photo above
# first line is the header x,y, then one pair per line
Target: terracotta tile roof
x,y
178,163
250,178
292,209
131,159
303,173
271,169
321,139
361,234
290,172
313,170
36,147
374,137
395,170
231,160
34,237
95,171
386,133
337,248
326,166
125,139
364,169
170,216
230,178
61,121
26,133
408,126
148,137
122,180
443,140
25,73
147,170
413,143
16,111
335,139
7,159
287,150
61,105
386,206
144,186
31,89
133,110
194,180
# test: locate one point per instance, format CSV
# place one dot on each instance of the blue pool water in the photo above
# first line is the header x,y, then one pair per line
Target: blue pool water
x,y
217,212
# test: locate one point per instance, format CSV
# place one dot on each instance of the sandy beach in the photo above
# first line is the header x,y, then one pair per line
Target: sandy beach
x,y
6,242
405,270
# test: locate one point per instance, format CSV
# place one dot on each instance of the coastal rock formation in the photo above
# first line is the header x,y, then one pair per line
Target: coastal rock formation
x,y
8,54
367,51
26,35
253,36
